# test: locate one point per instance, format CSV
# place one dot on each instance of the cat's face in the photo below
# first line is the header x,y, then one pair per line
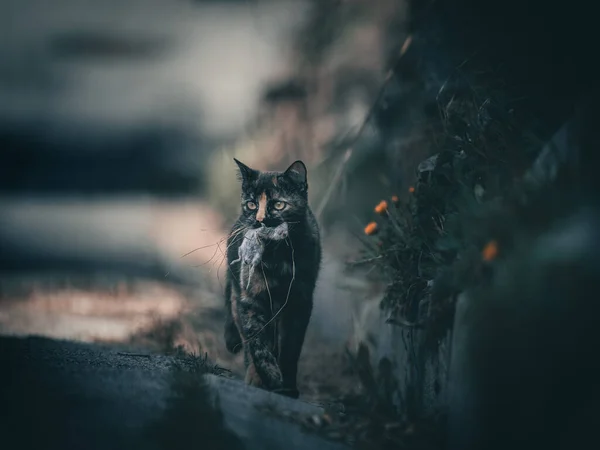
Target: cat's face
x,y
273,197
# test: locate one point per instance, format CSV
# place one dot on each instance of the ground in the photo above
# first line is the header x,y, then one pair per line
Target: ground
x,y
66,395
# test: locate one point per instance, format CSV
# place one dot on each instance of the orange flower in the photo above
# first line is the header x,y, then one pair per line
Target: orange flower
x,y
382,207
371,228
411,189
490,251
395,199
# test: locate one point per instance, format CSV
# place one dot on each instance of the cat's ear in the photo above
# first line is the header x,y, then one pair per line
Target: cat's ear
x,y
246,173
297,172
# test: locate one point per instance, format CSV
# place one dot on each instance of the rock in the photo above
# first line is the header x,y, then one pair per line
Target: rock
x,y
243,408
65,395
523,372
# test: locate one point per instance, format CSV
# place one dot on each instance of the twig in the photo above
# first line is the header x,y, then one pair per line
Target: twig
x,y
396,225
388,77
363,261
404,323
196,249
134,355
338,175
333,184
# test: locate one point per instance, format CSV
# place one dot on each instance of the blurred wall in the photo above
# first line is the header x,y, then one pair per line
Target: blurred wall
x,y
121,63
135,92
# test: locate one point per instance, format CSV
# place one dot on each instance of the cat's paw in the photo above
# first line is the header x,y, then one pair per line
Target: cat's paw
x,y
252,378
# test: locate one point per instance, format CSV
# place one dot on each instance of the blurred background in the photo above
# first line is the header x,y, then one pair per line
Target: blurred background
x,y
119,121
118,124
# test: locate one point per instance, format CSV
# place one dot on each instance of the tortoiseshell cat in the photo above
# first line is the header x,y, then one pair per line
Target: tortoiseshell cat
x,y
269,318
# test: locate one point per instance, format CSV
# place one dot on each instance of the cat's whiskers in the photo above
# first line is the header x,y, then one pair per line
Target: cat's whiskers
x,y
220,265
219,260
232,234
212,257
203,247
215,260
196,249
223,259
224,253
235,233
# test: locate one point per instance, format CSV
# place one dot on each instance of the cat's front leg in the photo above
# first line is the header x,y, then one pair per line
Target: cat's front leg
x,y
233,340
293,325
262,369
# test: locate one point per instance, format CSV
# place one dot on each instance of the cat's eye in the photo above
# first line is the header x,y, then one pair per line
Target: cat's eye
x,y
251,205
279,205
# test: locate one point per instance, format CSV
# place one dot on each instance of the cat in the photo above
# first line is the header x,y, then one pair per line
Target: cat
x,y
268,320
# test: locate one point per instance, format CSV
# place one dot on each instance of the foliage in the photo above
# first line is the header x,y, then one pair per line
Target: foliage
x,y
437,240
